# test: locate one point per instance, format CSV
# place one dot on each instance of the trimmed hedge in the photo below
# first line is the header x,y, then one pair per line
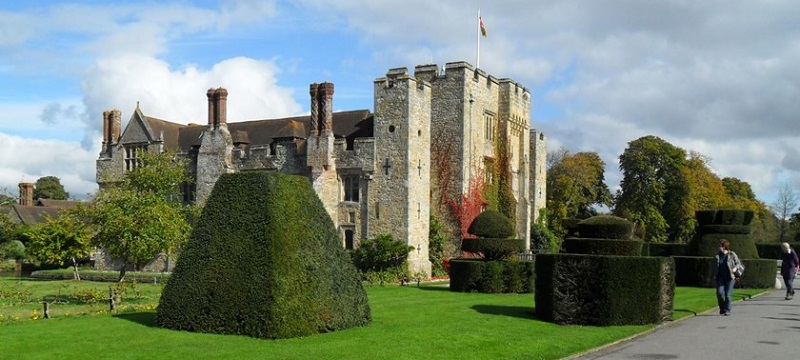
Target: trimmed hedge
x,y
604,290
494,249
492,276
605,227
264,260
724,217
602,247
664,249
697,271
708,245
492,224
773,251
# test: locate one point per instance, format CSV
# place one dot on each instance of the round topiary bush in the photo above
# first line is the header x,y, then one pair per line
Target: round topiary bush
x,y
605,227
264,260
491,224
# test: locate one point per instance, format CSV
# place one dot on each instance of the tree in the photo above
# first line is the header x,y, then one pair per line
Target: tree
x,y
703,189
652,182
575,185
783,206
59,240
49,187
741,196
140,217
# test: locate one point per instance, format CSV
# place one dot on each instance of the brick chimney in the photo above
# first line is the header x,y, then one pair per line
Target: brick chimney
x,y
105,129
321,108
26,194
212,108
114,124
313,90
217,107
326,108
222,106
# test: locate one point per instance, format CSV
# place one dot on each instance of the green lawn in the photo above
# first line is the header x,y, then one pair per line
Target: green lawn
x,y
408,323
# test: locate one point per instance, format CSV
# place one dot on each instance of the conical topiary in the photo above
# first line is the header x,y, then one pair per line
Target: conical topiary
x,y
266,261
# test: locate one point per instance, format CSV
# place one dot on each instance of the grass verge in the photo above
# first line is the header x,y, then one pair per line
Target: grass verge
x,y
409,322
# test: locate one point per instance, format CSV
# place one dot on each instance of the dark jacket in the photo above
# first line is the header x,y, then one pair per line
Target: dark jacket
x,y
789,263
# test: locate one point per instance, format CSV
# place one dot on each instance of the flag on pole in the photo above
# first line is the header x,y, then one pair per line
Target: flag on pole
x,y
483,28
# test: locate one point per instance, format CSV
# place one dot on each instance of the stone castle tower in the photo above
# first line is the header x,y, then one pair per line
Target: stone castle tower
x,y
375,172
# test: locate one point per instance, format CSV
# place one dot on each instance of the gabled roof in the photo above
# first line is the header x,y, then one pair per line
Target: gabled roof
x,y
32,215
59,204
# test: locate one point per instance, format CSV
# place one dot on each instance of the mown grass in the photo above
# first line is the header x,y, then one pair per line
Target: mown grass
x,y
409,322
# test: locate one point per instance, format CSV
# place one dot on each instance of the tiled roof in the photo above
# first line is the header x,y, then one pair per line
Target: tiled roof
x,y
59,204
32,215
346,124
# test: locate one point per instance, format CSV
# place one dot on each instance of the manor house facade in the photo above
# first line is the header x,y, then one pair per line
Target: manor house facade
x,y
375,172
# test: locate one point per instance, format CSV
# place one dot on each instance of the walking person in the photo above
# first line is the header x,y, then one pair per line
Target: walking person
x,y
727,273
789,267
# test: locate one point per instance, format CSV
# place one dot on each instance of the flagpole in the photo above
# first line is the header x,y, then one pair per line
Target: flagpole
x,y
478,33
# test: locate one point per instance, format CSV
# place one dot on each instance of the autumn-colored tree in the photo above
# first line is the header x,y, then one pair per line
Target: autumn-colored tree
x,y
741,196
62,239
652,182
702,189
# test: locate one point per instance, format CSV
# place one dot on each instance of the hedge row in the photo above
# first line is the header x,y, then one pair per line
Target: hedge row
x,y
494,249
604,290
663,249
264,260
699,272
602,247
605,227
708,245
773,251
492,276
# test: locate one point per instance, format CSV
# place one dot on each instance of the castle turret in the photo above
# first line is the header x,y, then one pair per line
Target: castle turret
x,y
26,194
399,202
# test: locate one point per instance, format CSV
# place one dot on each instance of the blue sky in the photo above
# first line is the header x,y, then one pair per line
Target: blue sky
x,y
716,77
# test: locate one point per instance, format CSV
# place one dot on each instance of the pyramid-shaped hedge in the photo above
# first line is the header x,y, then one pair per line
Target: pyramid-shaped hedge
x,y
265,260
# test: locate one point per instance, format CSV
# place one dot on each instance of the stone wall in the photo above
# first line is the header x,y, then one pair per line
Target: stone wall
x,y
400,189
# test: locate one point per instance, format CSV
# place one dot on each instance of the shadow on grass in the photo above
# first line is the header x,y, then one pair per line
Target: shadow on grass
x,y
523,312
142,318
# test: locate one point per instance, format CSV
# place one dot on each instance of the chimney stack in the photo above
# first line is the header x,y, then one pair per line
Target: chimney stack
x,y
105,129
217,107
313,90
114,124
222,106
326,108
26,194
212,108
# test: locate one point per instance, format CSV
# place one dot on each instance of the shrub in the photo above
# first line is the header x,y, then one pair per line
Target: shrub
x,y
602,247
604,290
605,227
380,254
494,249
492,276
491,224
773,251
264,260
696,271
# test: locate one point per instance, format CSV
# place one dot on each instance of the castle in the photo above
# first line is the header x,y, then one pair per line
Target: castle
x,y
375,172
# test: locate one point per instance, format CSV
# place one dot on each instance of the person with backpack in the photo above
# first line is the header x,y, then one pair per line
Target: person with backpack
x,y
789,267
728,270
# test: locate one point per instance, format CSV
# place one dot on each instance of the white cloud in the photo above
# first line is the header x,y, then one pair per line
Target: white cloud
x,y
26,160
